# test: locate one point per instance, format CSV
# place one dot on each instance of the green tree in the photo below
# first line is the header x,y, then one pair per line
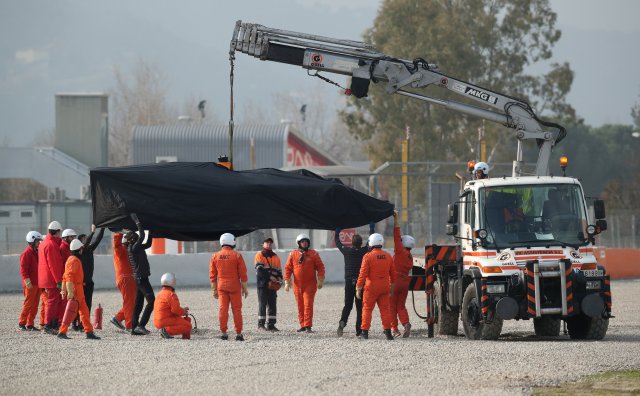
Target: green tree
x,y
487,42
623,191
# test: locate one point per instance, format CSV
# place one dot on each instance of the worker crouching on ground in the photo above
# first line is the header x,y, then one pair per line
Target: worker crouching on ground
x,y
305,264
73,289
377,278
29,274
402,261
228,275
168,315
125,283
269,280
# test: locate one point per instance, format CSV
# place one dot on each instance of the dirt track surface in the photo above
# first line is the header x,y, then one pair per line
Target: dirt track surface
x,y
291,363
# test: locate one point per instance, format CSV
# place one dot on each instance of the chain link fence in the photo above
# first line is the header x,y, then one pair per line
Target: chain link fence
x,y
623,229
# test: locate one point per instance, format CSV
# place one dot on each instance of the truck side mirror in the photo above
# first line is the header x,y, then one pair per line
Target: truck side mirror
x,y
601,225
598,209
452,229
452,210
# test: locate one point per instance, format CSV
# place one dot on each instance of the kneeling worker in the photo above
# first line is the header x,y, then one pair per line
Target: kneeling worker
x,y
168,315
377,278
72,288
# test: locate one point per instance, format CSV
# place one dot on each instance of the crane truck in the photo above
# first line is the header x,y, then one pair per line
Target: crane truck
x,y
523,245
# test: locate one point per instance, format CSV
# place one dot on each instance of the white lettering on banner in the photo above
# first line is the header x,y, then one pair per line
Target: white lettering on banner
x,y
346,236
299,158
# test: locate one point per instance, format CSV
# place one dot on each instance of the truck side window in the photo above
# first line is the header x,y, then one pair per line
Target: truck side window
x,y
470,212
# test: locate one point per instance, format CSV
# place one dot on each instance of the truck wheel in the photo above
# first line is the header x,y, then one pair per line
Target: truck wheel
x,y
546,327
447,320
582,327
472,315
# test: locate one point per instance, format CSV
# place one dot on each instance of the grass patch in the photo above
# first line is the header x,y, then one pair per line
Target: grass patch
x,y
626,382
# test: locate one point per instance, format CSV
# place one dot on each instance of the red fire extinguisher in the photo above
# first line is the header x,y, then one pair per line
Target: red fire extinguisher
x,y
97,318
70,312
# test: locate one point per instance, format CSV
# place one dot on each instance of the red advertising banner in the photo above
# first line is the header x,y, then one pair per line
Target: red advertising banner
x,y
300,153
346,236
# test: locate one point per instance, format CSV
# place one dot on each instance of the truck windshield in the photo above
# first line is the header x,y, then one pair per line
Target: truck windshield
x,y
533,215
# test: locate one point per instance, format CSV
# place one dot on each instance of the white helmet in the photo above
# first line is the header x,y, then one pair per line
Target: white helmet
x,y
168,279
376,240
227,239
32,236
302,237
75,245
481,166
408,241
68,232
54,225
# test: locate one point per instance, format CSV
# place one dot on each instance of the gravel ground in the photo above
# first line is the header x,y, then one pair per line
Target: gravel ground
x,y
288,362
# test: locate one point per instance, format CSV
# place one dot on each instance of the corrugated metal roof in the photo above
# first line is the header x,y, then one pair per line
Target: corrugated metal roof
x,y
202,142
195,141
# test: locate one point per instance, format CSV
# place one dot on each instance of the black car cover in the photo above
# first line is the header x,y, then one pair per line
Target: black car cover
x,y
192,201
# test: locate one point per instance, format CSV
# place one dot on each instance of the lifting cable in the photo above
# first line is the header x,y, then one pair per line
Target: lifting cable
x,y
231,59
323,78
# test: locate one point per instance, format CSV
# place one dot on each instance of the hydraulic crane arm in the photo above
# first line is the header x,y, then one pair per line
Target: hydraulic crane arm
x,y
364,64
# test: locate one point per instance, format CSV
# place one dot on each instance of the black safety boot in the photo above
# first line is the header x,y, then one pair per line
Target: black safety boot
x,y
341,326
301,330
272,327
365,334
50,330
33,328
239,337
63,336
117,323
407,331
22,327
309,330
261,326
224,336
387,333
140,330
164,334
92,336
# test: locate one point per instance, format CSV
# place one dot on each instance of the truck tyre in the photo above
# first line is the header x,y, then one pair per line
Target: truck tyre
x,y
582,327
447,319
471,316
546,327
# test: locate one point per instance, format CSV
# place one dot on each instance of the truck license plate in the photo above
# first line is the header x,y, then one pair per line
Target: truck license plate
x,y
593,273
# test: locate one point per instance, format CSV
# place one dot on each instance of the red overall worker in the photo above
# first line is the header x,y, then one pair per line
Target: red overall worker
x,y
50,270
402,261
73,289
68,235
228,275
377,278
125,283
29,273
304,263
168,315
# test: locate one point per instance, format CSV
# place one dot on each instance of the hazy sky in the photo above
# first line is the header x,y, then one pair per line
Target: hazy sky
x,y
73,45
